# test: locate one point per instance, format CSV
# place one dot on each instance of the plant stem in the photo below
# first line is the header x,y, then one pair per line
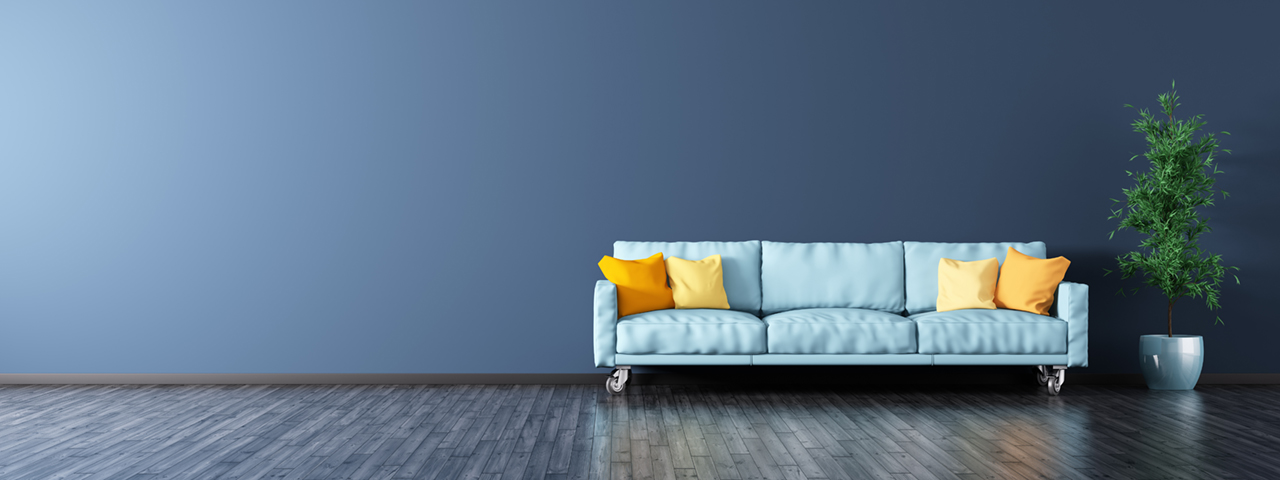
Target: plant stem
x,y
1171,319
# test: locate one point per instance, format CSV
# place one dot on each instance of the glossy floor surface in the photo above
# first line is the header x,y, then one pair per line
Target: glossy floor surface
x,y
556,432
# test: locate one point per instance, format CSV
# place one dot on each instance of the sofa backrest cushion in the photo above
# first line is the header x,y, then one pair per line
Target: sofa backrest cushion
x,y
832,275
740,262
922,266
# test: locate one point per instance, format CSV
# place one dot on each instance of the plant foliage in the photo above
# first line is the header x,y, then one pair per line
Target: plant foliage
x,y
1164,205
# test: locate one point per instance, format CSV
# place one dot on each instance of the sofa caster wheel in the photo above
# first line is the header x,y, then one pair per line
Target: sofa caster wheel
x,y
1055,380
618,380
1042,375
614,386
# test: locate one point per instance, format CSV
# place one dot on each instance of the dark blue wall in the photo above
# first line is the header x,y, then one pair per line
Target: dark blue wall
x,y
298,186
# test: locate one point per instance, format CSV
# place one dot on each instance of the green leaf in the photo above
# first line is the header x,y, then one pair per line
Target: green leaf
x,y
1219,321
1165,205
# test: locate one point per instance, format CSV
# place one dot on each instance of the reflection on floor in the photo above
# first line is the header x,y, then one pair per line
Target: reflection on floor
x,y
532,431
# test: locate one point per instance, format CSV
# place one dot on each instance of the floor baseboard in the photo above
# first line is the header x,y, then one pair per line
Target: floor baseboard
x,y
943,379
301,378
588,379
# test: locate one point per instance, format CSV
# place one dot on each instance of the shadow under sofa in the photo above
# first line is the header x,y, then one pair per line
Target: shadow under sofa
x,y
838,304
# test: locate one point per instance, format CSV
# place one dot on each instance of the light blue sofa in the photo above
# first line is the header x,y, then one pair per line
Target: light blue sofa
x,y
838,304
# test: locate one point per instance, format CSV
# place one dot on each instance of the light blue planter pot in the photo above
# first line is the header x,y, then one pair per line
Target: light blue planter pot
x,y
1171,363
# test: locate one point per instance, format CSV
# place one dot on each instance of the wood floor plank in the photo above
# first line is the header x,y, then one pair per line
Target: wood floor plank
x,y
539,458
641,460
663,468
601,457
721,457
580,461
561,451
704,469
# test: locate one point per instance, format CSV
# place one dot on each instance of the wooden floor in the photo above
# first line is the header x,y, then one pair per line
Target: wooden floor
x,y
557,432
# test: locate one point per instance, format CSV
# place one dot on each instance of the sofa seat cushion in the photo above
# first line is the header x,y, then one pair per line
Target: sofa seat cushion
x,y
691,332
840,330
990,332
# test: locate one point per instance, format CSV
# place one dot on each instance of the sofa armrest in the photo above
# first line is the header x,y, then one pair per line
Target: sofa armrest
x,y
606,323
1073,306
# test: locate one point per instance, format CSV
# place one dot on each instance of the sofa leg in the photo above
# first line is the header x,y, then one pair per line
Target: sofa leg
x,y
618,380
1042,375
1057,375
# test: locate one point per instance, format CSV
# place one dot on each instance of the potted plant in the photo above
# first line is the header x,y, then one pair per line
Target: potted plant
x,y
1164,205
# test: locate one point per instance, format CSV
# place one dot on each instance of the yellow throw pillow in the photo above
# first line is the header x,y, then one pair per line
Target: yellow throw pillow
x,y
1027,283
642,284
964,285
697,284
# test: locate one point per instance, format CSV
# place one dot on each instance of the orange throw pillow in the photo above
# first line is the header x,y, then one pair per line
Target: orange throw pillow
x,y
1027,283
642,284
